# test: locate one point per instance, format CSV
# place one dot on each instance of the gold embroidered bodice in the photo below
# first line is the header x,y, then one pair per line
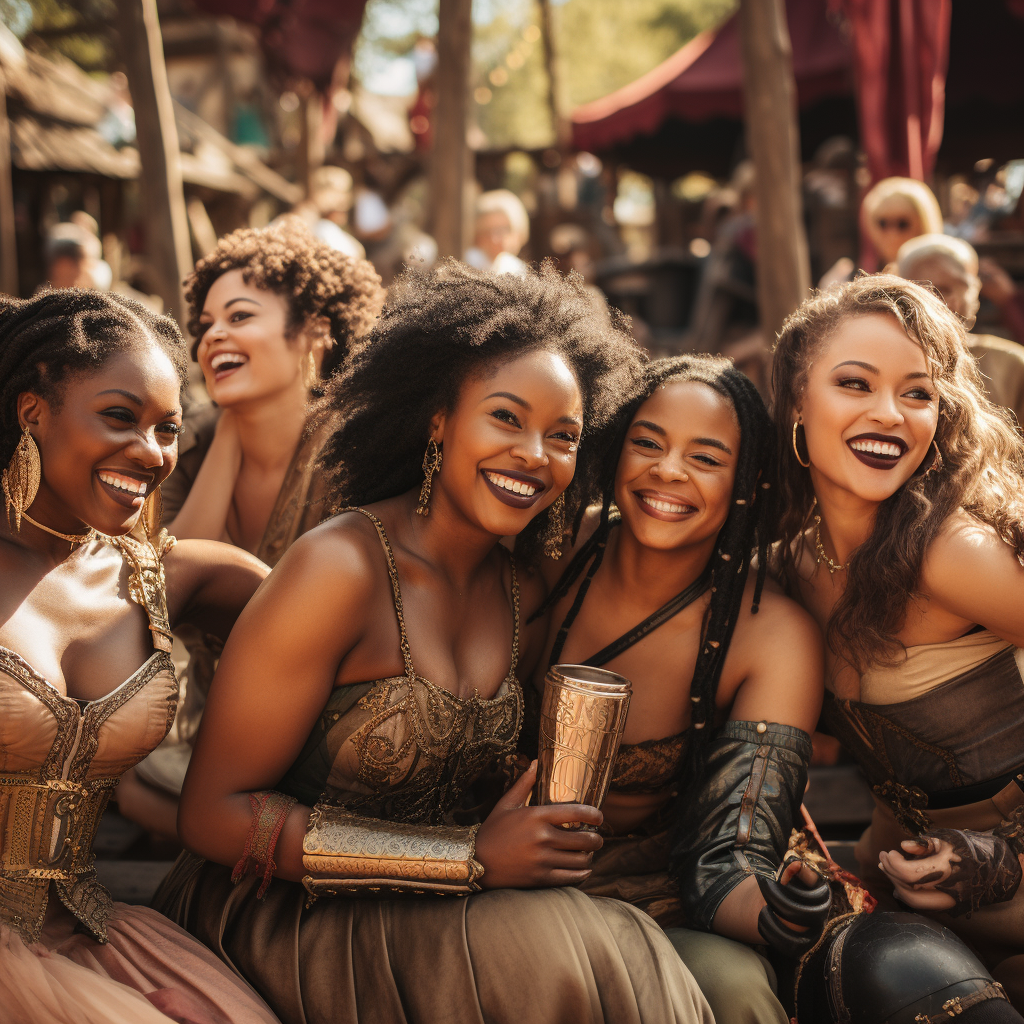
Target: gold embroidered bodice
x,y
402,748
61,758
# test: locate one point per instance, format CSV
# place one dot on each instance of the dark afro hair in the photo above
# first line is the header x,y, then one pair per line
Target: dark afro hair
x,y
314,279
66,332
437,329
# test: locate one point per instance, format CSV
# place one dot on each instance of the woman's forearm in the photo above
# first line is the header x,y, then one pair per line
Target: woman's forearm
x,y
736,917
220,829
204,514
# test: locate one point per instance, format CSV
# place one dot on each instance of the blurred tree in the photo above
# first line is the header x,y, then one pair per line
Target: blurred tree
x,y
602,45
79,30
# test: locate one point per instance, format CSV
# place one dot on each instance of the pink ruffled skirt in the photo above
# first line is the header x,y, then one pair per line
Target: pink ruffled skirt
x,y
149,972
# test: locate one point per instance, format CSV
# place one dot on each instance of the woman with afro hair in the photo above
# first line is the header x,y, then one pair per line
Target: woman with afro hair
x,y
90,388
373,683
272,314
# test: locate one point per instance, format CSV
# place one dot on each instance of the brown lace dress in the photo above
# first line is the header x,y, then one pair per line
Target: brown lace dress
x,y
406,750
940,737
68,953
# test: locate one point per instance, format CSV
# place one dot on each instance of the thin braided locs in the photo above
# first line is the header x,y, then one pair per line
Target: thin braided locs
x,y
438,329
748,528
63,333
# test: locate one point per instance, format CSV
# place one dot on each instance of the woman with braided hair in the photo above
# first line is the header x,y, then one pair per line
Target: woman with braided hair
x,y
90,388
372,684
726,675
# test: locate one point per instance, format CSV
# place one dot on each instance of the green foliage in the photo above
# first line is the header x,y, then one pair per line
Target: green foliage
x,y
91,49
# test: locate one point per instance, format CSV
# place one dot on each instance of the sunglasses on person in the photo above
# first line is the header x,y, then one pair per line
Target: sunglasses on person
x,y
894,223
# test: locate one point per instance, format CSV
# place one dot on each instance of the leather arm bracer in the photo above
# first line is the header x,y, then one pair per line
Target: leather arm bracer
x,y
349,855
740,821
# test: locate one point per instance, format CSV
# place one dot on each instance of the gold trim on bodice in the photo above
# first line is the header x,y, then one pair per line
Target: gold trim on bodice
x,y
422,746
50,815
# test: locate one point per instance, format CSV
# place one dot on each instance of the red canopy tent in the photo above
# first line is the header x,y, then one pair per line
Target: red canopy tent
x,y
704,80
687,113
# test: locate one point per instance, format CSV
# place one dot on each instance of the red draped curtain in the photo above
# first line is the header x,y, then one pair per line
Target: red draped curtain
x,y
900,53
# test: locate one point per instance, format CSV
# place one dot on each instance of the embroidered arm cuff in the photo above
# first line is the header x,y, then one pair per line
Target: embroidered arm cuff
x,y
740,822
349,855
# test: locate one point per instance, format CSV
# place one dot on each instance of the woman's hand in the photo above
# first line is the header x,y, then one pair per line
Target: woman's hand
x,y
523,847
953,870
797,905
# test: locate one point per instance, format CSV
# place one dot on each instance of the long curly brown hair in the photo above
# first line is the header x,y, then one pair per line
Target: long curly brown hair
x,y
314,279
981,472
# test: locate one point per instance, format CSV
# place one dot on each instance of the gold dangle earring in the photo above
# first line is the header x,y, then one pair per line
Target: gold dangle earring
x,y
309,374
20,480
555,532
796,451
431,464
153,512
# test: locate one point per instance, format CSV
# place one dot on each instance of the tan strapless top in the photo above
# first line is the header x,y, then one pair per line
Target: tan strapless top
x,y
61,758
402,748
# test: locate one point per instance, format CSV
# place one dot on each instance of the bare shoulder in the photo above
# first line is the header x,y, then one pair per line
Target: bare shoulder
x,y
776,663
966,560
779,624
962,540
344,548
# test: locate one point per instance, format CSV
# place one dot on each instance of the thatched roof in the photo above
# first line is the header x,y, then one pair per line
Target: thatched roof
x,y
57,114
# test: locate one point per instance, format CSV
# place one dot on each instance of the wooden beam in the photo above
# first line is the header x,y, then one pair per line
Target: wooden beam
x,y
450,157
8,237
559,122
783,265
167,235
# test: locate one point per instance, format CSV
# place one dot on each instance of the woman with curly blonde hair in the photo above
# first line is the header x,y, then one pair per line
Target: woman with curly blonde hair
x,y
272,313
902,533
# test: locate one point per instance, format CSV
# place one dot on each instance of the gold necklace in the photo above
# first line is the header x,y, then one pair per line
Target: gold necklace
x,y
833,567
73,538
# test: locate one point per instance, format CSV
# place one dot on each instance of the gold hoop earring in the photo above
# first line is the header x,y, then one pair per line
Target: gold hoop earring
x,y
431,464
153,512
20,480
555,533
796,451
309,374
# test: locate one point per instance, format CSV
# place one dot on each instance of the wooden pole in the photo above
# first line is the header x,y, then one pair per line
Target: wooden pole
x,y
559,123
783,265
167,239
450,157
8,238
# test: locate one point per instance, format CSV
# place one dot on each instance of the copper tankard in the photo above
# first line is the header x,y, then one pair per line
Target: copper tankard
x,y
582,716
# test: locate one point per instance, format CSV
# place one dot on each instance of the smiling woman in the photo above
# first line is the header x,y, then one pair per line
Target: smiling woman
x,y
89,418
378,667
903,535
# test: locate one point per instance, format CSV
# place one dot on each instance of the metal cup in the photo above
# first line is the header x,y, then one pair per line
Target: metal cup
x,y
582,716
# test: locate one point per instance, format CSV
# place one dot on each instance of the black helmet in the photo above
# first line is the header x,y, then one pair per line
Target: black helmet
x,y
886,968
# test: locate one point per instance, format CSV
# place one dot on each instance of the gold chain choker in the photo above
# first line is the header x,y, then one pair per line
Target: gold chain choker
x,y
73,538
